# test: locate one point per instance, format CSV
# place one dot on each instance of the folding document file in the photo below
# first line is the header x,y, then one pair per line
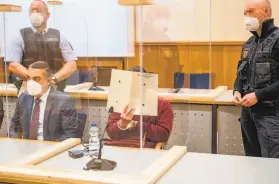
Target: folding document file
x,y
126,88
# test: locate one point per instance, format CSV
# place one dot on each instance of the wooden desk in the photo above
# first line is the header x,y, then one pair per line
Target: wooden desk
x,y
196,121
133,166
199,96
8,89
198,168
229,132
13,150
226,98
125,157
23,151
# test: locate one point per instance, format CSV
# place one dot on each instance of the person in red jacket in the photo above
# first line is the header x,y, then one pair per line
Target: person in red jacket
x,y
124,129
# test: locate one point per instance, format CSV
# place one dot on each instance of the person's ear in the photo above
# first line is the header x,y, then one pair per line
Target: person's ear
x,y
47,15
49,80
265,12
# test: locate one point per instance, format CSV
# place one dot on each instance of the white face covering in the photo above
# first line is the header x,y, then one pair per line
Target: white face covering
x,y
36,19
251,23
161,25
34,88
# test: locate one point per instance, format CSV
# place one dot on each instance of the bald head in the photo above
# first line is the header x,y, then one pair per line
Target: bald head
x,y
155,12
41,8
260,9
39,5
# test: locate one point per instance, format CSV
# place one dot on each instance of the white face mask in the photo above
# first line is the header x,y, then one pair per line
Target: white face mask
x,y
34,88
36,19
161,25
251,23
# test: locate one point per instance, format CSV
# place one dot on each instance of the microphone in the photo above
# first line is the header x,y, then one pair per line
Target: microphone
x,y
176,88
94,87
100,164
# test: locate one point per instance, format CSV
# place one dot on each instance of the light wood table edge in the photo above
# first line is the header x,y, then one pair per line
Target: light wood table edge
x,y
43,175
53,2
49,152
27,140
204,99
35,174
163,164
9,8
135,2
210,98
138,149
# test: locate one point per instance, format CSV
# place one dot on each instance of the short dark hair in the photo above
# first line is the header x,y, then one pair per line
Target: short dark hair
x,y
42,65
137,69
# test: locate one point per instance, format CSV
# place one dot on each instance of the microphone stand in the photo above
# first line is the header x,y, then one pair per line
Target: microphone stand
x,y
94,80
100,164
176,90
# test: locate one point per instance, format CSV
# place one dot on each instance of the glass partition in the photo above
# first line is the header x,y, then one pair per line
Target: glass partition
x,y
142,75
167,33
3,129
127,77
40,53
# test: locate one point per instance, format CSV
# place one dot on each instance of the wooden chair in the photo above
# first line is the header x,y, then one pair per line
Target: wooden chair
x,y
160,145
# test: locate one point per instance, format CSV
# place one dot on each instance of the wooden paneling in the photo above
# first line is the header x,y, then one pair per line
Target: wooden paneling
x,y
85,64
2,71
104,66
218,58
160,59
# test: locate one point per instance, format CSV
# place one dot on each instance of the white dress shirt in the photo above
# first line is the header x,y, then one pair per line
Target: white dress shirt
x,y
43,102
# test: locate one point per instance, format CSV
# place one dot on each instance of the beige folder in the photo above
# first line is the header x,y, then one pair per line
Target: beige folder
x,y
126,88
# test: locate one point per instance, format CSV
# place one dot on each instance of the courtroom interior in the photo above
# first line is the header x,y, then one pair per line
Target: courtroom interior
x,y
139,91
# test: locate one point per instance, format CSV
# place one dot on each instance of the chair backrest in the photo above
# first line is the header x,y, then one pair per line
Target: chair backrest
x,y
180,80
81,120
200,81
73,79
1,112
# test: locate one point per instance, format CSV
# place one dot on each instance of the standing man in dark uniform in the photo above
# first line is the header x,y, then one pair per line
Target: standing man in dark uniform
x,y
256,87
39,43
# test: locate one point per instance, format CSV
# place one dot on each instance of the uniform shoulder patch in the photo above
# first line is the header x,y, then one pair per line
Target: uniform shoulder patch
x,y
245,52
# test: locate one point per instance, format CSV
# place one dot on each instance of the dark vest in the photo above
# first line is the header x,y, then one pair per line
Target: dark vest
x,y
43,47
39,47
257,68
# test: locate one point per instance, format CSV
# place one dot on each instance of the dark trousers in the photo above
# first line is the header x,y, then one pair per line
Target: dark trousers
x,y
260,129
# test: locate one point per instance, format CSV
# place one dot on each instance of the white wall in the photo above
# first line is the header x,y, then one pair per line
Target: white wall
x,y
94,27
200,20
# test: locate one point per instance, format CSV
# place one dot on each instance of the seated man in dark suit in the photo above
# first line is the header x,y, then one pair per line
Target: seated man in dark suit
x,y
124,129
42,113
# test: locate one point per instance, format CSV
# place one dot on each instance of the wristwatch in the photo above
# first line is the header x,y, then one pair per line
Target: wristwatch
x,y
54,79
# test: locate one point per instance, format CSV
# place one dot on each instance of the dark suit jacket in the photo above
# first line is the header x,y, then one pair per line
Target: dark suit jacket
x,y
60,118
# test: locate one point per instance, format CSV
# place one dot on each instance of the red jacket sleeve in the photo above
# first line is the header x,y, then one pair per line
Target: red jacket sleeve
x,y
113,130
157,131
